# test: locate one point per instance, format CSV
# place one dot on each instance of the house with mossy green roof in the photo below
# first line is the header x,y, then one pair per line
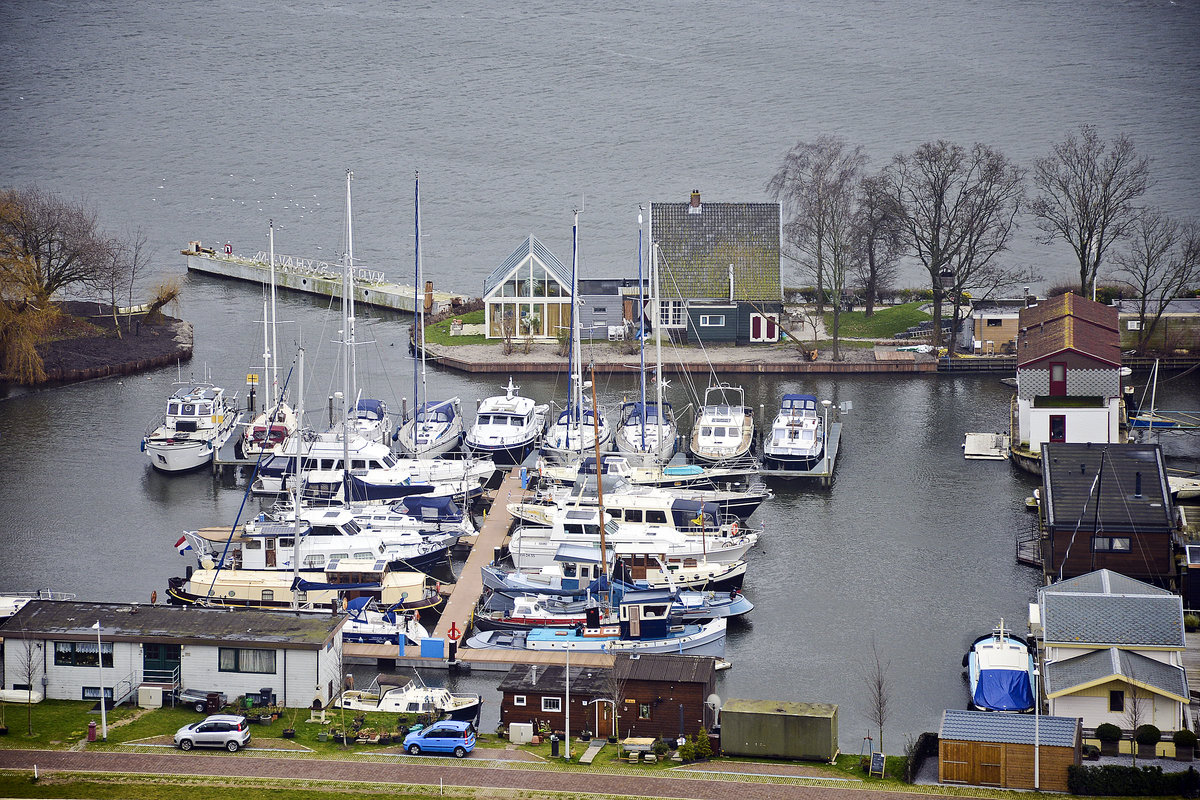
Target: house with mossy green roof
x,y
718,270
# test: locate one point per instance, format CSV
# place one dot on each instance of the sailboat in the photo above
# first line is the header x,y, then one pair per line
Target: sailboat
x,y
436,426
367,417
647,429
577,430
271,427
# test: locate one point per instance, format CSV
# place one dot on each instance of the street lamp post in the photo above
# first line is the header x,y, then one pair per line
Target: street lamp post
x,y
100,666
1037,716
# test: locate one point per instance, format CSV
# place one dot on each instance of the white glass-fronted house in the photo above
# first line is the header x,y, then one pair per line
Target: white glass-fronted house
x,y
528,295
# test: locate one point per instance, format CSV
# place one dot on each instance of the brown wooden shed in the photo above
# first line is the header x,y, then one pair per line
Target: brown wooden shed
x,y
986,748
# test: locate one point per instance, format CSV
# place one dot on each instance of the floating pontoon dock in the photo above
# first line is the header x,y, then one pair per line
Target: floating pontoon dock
x,y
823,471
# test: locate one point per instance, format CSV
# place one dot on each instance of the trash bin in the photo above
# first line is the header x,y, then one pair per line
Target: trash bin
x,y
554,745
212,703
91,731
266,697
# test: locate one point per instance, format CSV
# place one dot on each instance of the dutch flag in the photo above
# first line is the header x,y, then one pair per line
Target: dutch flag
x,y
182,545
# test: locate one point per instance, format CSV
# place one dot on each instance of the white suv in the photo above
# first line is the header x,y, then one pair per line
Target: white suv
x,y
220,730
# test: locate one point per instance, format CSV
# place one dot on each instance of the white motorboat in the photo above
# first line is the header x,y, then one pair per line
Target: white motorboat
x,y
436,426
577,567
580,429
1000,671
665,475
401,694
641,507
645,626
724,428
797,439
507,428
270,428
740,502
198,422
537,546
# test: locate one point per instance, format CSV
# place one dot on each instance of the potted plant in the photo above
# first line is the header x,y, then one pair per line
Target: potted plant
x,y
1110,739
1147,737
1185,744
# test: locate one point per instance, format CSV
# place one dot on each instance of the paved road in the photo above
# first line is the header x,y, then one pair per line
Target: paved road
x,y
245,765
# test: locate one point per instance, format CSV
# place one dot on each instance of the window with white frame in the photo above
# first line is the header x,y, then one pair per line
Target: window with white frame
x,y
518,699
672,314
242,659
552,704
1116,544
712,320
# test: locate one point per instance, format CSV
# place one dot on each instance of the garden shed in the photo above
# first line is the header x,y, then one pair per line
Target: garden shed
x,y
775,729
984,748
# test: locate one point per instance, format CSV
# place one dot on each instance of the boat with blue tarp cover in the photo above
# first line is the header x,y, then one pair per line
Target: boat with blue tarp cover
x,y
1000,670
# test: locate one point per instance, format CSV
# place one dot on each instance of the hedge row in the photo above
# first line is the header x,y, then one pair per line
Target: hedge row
x,y
1113,779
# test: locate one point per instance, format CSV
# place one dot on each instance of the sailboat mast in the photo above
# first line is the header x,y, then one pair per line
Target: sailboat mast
x,y
418,306
642,336
273,363
348,304
576,378
599,480
656,320
296,493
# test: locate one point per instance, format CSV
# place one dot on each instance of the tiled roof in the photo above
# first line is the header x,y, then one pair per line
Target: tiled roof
x,y
532,246
1068,322
186,624
988,726
1105,581
546,679
666,667
1062,677
696,250
1073,495
1130,614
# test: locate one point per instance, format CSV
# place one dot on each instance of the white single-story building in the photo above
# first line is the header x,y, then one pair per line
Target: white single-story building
x,y
74,650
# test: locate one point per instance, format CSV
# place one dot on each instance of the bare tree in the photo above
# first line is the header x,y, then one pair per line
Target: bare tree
x,y
879,242
616,688
28,669
1162,263
817,187
1135,710
56,242
1087,190
958,208
879,689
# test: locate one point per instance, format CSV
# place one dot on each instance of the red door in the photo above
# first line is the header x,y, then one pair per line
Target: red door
x,y
1058,379
755,328
1058,427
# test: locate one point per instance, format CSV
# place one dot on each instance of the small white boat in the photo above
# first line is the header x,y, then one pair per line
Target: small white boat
x,y
1000,670
198,422
724,428
506,428
435,429
401,694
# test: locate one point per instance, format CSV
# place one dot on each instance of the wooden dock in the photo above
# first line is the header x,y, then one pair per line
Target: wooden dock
x,y
461,605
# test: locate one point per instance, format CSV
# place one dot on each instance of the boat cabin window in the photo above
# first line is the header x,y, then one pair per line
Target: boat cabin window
x,y
573,529
656,517
288,542
327,464
270,544
253,544
570,570
189,409
706,430
268,595
315,561
632,515
338,556
204,409
173,408
363,555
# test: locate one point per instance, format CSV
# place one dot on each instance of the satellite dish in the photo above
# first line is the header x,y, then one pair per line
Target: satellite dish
x,y
713,701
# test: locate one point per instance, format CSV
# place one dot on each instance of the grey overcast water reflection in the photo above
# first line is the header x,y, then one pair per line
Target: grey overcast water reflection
x,y
204,120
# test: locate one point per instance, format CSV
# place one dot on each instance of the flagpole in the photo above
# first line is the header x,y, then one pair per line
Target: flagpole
x,y
100,665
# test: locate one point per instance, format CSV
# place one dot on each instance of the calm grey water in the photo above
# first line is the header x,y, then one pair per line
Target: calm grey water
x,y
204,119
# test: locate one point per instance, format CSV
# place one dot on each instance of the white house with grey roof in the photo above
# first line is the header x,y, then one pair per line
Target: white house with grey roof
x,y
235,651
1109,641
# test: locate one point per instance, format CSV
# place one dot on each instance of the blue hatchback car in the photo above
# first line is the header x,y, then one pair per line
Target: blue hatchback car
x,y
447,736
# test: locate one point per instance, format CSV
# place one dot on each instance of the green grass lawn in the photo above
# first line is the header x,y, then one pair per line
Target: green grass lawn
x,y
57,724
883,324
439,333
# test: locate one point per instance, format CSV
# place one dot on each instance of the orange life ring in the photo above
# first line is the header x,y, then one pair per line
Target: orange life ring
x,y
733,531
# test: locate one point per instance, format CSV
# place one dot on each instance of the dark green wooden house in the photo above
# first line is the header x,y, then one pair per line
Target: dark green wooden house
x,y
718,270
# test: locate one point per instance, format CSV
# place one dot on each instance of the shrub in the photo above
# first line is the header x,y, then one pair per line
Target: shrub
x,y
1147,734
1107,732
1184,738
703,745
1191,622
687,751
660,748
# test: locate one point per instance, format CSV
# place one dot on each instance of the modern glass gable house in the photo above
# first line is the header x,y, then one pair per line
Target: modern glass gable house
x,y
528,295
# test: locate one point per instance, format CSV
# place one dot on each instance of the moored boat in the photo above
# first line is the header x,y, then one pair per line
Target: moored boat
x,y
724,428
199,420
1000,669
506,429
403,694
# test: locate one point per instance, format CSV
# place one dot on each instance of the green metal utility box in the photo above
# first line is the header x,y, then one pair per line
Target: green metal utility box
x,y
774,729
